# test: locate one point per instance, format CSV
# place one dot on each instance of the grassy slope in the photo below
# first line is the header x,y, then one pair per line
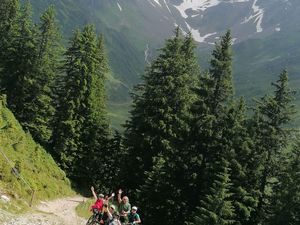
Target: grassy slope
x,y
35,165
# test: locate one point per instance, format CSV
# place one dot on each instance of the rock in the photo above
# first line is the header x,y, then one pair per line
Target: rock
x,y
5,199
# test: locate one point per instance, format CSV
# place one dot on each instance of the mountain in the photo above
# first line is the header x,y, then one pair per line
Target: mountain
x,y
265,37
25,166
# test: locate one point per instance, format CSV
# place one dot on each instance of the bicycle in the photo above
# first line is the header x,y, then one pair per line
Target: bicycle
x,y
93,220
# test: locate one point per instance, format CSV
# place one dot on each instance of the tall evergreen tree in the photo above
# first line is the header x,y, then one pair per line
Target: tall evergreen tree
x,y
96,131
274,113
46,70
9,13
213,131
215,90
69,118
240,158
221,72
81,125
159,125
18,78
217,208
286,196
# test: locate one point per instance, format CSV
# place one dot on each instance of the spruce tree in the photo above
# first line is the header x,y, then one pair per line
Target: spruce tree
x,y
81,126
286,193
214,92
160,125
220,135
18,78
221,72
46,70
216,208
240,158
274,113
96,131
9,13
69,119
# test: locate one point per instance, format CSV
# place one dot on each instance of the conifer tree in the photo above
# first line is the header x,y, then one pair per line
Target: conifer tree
x,y
216,208
96,131
69,117
81,125
18,78
286,197
46,70
216,125
159,126
221,72
274,113
240,158
9,13
214,91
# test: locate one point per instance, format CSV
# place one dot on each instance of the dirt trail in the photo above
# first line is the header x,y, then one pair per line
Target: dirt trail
x,y
57,212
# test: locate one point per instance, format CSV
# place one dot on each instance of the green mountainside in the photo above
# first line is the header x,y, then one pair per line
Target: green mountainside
x,y
134,29
257,62
34,168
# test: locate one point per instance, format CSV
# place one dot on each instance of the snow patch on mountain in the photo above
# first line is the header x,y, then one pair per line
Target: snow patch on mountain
x,y
150,1
167,6
258,14
201,5
157,2
119,6
197,36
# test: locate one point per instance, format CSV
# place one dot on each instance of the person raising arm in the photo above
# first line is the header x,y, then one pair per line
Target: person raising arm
x,y
124,207
98,205
113,216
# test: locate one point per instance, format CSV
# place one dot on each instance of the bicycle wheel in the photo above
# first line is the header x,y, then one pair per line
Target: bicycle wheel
x,y
91,221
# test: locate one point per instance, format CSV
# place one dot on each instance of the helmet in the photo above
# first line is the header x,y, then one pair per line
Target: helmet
x,y
100,196
134,208
113,207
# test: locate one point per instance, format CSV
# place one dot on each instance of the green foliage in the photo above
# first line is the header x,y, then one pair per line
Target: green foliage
x,y
32,162
8,15
83,209
81,135
29,67
158,132
69,119
217,208
286,198
106,175
244,198
46,70
18,66
273,114
221,72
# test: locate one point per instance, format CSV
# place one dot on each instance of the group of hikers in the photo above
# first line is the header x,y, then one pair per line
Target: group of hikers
x,y
109,214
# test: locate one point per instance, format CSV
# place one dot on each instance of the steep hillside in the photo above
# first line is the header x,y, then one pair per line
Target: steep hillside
x,y
25,166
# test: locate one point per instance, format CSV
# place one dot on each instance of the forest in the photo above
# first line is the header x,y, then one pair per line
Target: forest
x,y
191,152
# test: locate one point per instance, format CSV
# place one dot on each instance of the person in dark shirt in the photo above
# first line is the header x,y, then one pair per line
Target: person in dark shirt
x,y
133,217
